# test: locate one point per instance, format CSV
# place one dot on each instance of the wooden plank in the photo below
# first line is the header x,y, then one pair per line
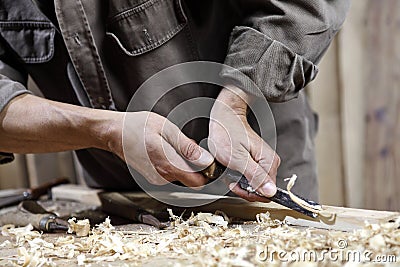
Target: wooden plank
x,y
346,219
382,80
77,193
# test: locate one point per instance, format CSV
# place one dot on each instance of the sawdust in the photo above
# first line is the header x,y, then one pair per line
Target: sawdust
x,y
202,240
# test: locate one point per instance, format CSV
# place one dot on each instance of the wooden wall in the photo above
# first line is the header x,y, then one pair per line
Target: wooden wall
x,y
382,90
357,96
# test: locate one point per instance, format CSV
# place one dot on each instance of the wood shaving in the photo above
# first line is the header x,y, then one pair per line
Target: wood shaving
x,y
264,219
317,209
209,219
80,227
202,240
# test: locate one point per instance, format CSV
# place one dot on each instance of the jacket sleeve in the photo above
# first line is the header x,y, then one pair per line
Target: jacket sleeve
x,y
12,84
280,43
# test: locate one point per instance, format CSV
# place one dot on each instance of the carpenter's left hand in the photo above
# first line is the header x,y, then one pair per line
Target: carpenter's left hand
x,y
235,144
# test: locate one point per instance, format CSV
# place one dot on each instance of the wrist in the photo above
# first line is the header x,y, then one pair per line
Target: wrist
x,y
106,130
233,98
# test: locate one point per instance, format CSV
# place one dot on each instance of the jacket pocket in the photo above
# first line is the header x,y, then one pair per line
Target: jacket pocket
x,y
145,26
32,41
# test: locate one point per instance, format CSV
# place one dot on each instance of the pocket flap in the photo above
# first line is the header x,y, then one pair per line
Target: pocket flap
x,y
32,41
146,26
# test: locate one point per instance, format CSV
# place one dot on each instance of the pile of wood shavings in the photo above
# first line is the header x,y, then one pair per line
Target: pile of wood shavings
x,y
202,240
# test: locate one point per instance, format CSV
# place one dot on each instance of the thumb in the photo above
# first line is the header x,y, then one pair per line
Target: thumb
x,y
186,147
194,153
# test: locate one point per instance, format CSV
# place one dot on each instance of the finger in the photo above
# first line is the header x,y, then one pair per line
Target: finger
x,y
185,146
149,171
235,188
266,157
274,168
270,168
259,179
175,168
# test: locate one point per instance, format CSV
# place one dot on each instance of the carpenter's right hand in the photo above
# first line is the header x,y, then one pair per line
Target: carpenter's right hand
x,y
157,149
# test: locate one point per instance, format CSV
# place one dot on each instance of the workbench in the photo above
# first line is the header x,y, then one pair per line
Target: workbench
x,y
200,242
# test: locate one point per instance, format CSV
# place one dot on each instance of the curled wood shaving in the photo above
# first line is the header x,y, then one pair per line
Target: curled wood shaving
x,y
80,227
21,234
264,219
317,209
173,217
223,214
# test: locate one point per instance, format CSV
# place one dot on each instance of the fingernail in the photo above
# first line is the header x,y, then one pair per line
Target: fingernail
x,y
269,189
231,186
205,158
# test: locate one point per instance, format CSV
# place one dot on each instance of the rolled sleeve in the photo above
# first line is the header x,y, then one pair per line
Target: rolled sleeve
x,y
279,45
8,90
11,85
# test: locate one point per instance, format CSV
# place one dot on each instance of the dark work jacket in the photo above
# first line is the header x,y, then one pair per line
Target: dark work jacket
x,y
275,43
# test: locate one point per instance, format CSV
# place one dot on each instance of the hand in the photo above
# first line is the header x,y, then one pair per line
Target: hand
x,y
157,149
238,147
152,145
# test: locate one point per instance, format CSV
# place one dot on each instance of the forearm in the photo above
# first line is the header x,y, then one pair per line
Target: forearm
x,y
30,124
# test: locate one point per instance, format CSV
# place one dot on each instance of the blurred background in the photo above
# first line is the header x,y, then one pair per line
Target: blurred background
x,y
357,97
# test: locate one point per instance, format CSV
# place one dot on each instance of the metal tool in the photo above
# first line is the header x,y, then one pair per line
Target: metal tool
x,y
281,197
31,193
116,204
30,212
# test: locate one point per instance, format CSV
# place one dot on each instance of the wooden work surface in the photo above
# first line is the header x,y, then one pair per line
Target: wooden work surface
x,y
205,244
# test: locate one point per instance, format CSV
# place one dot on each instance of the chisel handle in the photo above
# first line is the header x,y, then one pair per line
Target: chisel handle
x,y
20,218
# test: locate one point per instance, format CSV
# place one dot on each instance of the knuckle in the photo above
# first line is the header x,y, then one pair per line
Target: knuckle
x,y
277,160
190,150
165,170
151,148
153,121
151,143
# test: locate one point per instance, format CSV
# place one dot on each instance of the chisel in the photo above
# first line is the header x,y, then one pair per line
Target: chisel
x,y
282,197
31,193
